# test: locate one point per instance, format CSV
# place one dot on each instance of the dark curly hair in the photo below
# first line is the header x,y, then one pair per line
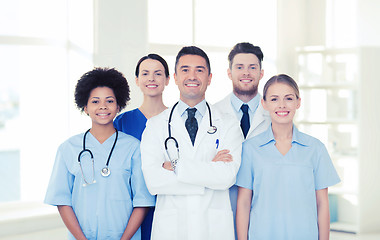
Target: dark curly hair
x,y
102,77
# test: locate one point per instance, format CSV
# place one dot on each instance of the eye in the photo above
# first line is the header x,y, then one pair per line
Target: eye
x,y
273,100
158,74
144,74
111,101
185,70
200,70
289,98
253,68
94,101
239,67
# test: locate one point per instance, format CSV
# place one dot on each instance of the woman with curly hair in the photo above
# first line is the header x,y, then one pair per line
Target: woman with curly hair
x,y
97,182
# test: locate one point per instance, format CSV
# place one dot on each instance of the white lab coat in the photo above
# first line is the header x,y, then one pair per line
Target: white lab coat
x,y
193,203
260,122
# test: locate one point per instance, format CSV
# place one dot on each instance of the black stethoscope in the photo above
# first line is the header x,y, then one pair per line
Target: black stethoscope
x,y
212,129
105,171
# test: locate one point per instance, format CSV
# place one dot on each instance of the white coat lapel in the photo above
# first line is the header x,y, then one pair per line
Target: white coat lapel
x,y
179,130
260,116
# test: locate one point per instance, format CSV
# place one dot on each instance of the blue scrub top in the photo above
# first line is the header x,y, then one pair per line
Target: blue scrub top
x,y
133,123
284,203
103,208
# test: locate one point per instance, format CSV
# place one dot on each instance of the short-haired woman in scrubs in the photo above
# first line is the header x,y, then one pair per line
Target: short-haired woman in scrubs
x,y
284,176
97,182
152,75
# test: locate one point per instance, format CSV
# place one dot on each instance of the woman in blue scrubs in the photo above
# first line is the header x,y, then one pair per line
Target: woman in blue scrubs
x,y
152,75
284,176
104,197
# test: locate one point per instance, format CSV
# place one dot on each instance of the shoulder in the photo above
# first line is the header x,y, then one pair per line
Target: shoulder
x,y
309,140
260,139
161,117
127,115
224,105
126,138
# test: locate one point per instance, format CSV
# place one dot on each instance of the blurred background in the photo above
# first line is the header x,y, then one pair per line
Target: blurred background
x,y
331,48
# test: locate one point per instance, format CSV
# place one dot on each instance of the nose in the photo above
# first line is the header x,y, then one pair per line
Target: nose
x,y
151,77
103,105
246,71
192,75
281,103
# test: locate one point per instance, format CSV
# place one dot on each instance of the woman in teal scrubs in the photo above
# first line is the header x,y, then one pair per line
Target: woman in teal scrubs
x,y
284,175
152,75
103,198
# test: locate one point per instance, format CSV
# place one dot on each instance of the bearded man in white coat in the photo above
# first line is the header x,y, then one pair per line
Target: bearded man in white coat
x,y
244,103
190,157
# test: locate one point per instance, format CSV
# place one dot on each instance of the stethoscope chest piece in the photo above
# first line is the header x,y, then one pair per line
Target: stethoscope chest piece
x,y
105,172
211,130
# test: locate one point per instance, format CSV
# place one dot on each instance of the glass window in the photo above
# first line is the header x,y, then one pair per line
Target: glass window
x,y
37,78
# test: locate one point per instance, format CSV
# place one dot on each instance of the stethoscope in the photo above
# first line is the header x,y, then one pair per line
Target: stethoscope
x,y
212,129
105,171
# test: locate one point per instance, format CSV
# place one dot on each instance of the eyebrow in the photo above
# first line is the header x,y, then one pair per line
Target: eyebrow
x,y
241,64
106,97
187,66
287,95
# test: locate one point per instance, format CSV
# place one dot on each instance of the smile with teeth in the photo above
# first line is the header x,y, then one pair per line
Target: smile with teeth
x,y
192,84
246,80
151,85
282,113
103,114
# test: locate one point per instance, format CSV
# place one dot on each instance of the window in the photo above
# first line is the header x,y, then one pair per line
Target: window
x,y
215,26
44,49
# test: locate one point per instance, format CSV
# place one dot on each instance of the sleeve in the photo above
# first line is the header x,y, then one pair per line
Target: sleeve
x,y
245,175
214,175
159,180
61,182
325,174
140,194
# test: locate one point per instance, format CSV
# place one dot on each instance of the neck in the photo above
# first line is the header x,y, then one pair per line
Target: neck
x,y
282,131
245,97
102,132
192,102
152,106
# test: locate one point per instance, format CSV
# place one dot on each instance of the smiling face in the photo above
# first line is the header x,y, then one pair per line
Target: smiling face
x,y
192,78
245,73
281,102
102,106
151,78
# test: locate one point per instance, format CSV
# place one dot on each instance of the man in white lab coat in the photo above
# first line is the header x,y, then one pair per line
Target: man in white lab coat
x,y
192,185
244,103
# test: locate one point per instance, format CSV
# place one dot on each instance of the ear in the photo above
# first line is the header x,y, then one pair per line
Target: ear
x,y
85,110
263,103
137,81
229,73
299,103
175,79
209,79
261,74
167,81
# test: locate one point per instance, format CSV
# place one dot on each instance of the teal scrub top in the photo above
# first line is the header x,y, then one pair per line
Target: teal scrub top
x,y
103,208
284,203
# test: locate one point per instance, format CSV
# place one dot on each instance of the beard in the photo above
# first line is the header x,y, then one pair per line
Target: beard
x,y
252,91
